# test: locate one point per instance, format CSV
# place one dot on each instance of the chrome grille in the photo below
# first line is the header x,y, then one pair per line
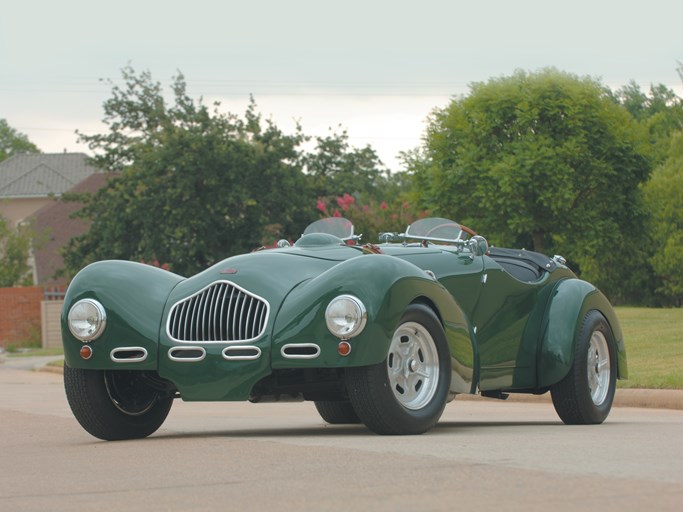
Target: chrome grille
x,y
221,312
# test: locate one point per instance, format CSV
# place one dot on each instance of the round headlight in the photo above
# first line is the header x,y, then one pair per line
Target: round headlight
x,y
346,316
87,319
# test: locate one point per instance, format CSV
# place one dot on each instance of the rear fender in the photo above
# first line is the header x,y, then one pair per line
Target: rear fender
x,y
569,303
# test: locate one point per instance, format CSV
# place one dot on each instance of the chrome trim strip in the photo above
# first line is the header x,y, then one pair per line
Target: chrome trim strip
x,y
241,348
112,355
300,356
192,312
186,359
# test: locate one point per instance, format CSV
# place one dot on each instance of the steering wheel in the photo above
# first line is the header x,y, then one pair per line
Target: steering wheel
x,y
469,231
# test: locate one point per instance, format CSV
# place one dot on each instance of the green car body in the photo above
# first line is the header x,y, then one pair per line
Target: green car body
x,y
511,319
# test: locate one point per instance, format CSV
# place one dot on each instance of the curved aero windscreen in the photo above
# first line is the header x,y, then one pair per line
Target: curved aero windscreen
x,y
434,228
337,226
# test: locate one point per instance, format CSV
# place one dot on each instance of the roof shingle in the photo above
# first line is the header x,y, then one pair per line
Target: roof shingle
x,y
43,174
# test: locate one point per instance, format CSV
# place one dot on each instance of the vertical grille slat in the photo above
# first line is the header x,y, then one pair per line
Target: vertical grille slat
x,y
221,315
201,317
212,313
240,323
183,317
221,312
192,333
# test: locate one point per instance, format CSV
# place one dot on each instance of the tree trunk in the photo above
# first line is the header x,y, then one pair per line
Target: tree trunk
x,y
538,238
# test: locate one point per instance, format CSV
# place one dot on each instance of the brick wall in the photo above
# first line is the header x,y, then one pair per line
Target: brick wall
x,y
19,314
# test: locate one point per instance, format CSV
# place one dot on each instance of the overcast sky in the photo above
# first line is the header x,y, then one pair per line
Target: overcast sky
x,y
375,67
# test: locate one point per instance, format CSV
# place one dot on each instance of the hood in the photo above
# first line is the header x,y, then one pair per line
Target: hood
x,y
270,274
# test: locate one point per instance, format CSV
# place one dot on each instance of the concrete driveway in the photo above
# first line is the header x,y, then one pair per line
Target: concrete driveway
x,y
237,456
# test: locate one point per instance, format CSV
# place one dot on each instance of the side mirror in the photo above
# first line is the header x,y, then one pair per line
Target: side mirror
x,y
478,245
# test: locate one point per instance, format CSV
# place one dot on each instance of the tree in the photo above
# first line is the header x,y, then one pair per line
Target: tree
x,y
13,142
547,161
660,112
663,194
337,168
193,187
14,251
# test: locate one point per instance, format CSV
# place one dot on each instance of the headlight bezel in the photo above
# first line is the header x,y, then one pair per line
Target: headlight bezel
x,y
97,312
352,327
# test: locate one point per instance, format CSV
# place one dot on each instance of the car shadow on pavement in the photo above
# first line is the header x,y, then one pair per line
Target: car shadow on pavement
x,y
322,431
448,427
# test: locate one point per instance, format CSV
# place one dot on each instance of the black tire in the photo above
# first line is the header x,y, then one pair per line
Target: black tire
x,y
116,405
586,394
337,413
390,400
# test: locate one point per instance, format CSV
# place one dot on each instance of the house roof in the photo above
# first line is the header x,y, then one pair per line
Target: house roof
x,y
43,174
54,227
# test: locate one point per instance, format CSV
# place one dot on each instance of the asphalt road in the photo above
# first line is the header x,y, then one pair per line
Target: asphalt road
x,y
233,456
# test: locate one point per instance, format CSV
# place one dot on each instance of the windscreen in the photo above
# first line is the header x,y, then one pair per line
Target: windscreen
x,y
337,226
435,228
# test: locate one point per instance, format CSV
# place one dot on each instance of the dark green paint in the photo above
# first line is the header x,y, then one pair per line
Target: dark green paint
x,y
571,300
503,334
134,296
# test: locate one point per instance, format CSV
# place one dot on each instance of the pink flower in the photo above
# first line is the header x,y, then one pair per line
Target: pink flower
x,y
383,205
320,205
336,214
345,201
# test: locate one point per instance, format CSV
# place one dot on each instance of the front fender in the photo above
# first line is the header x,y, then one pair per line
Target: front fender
x,y
133,296
386,286
569,303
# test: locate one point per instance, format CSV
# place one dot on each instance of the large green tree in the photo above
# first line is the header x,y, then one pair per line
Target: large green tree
x,y
15,244
545,160
337,168
13,142
664,196
193,185
660,111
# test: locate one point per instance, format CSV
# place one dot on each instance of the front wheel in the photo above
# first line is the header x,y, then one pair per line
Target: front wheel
x,y
116,405
586,394
407,393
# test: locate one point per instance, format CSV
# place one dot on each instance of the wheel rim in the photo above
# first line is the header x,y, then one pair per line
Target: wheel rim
x,y
129,393
413,366
598,367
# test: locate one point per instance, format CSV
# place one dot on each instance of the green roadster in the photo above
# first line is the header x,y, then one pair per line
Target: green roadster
x,y
383,335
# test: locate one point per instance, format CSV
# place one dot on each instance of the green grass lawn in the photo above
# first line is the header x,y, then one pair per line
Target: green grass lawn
x,y
654,346
33,352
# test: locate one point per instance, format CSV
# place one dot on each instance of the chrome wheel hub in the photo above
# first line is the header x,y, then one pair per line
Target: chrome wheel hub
x,y
598,367
413,366
128,393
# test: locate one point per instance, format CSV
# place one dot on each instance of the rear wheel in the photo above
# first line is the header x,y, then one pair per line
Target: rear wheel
x,y
586,394
407,393
337,413
115,405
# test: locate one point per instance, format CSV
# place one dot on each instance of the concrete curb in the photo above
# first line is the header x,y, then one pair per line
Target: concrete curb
x,y
647,398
